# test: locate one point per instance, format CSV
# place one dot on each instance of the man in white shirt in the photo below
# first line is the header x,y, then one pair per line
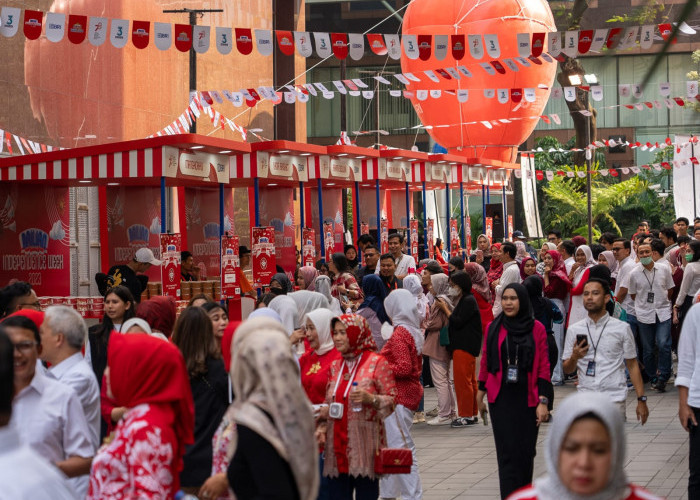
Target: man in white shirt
x,y
651,286
599,347
622,248
24,474
63,334
511,274
567,249
657,252
405,264
46,412
688,383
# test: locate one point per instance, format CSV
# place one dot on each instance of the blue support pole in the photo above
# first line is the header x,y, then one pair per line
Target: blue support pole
x,y
379,216
301,205
505,213
448,213
408,219
356,212
425,222
221,210
163,201
461,214
320,220
256,199
488,194
483,208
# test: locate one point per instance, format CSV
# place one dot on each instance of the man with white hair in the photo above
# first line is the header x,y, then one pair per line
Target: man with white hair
x,y
63,334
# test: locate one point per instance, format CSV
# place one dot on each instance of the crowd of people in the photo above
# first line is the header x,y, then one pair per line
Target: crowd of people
x,y
320,386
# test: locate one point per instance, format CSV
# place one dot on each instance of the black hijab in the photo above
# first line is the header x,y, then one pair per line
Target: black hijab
x,y
534,286
519,332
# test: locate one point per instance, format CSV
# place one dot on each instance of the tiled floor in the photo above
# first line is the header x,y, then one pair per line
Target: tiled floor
x,y
461,463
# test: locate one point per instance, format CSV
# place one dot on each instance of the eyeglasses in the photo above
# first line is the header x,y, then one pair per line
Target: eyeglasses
x,y
25,346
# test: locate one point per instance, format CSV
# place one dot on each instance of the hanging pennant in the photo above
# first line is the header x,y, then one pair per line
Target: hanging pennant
x,y
341,88
162,36
55,26
464,71
223,40
557,92
322,87
9,21
524,62
544,56
571,43
263,40
511,65
410,46
183,37
488,68
290,97
691,89
498,67
393,45
140,34
381,79
200,38
476,48
356,41
432,76
435,93
402,79
368,94
303,98
462,95
493,49
443,74
597,93
359,83
395,93
624,89
458,50
97,31
637,91
376,44
530,95
453,72
424,47
302,39
646,39
339,43
421,95
665,89
554,43
614,36
585,39
285,42
323,45
311,89
217,97
236,98
502,96
556,118
118,32
537,44
599,39
523,41
244,41
629,38
441,45
32,29
665,31
516,95
207,98
570,94
355,93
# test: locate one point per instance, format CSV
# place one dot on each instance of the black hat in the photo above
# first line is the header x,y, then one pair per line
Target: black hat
x,y
519,235
242,250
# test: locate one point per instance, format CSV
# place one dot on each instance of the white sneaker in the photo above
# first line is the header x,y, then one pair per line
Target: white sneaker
x,y
440,421
418,417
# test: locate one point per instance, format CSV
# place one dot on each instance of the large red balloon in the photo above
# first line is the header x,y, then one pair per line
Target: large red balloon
x,y
505,18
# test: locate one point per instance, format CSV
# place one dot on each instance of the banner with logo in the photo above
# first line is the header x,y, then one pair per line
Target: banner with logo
x,y
230,262
133,221
170,248
203,228
328,239
454,237
276,207
364,228
414,240
308,247
429,239
468,231
510,227
489,229
264,262
34,237
384,236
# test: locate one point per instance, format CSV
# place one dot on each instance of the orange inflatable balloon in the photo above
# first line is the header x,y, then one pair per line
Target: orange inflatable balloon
x,y
504,18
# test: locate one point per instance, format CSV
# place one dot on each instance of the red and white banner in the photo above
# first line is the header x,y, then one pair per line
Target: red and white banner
x,y
328,240
489,229
454,237
429,239
34,237
384,236
414,239
468,231
364,228
308,246
170,248
264,262
510,227
230,262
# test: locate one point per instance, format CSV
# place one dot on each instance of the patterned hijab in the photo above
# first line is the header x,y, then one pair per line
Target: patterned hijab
x,y
496,268
309,273
480,282
359,334
270,400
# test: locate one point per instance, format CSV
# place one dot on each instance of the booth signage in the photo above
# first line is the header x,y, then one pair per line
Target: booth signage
x,y
170,248
264,262
384,236
202,166
282,166
397,169
489,229
430,230
414,239
230,262
454,237
328,239
308,246
468,230
510,226
437,172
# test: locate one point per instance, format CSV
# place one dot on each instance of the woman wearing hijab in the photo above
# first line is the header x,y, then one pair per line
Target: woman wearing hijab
x,y
309,275
372,307
274,422
323,285
556,288
543,251
144,459
280,284
521,251
585,454
579,277
160,314
352,436
412,283
528,267
288,311
438,355
345,287
481,292
315,364
482,254
307,301
514,374
496,269
607,258
403,352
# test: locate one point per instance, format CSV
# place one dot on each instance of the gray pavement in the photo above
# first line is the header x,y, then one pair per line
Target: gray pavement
x,y
461,463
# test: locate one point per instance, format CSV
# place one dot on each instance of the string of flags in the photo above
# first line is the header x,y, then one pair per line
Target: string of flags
x,y
11,143
56,26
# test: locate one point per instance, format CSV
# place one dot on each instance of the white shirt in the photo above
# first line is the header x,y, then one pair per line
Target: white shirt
x,y
610,343
691,282
657,281
569,263
623,281
404,265
511,274
51,421
689,357
77,374
25,475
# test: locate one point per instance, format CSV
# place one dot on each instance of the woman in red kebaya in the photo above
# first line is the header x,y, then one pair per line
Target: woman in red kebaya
x,y
352,436
316,363
144,460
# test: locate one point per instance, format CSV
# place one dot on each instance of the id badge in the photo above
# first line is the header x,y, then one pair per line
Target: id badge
x,y
590,369
512,374
335,410
650,297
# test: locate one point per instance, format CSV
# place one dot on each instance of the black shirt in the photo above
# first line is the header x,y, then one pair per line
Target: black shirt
x,y
486,264
123,275
464,326
393,284
184,276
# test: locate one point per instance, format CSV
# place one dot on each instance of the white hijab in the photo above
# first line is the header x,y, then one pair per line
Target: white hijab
x,y
321,318
550,487
322,284
401,308
412,284
287,309
308,301
589,261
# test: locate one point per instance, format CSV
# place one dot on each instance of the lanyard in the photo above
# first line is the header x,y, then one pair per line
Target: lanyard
x,y
352,377
508,352
595,346
653,277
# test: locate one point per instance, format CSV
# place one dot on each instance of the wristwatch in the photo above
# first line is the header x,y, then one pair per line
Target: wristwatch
x,y
642,399
544,400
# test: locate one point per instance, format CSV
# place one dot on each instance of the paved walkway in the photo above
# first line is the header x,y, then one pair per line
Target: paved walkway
x,y
461,463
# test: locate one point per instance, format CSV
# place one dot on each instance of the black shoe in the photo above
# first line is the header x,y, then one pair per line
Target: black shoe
x,y
654,383
660,386
460,422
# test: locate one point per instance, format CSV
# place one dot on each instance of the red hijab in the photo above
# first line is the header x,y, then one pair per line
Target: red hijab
x,y
522,267
496,266
146,369
36,317
359,334
159,313
559,269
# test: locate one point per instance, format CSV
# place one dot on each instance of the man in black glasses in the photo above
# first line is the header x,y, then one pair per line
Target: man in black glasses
x,y
19,295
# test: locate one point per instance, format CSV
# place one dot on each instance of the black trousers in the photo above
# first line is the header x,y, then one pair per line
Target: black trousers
x,y
694,460
343,486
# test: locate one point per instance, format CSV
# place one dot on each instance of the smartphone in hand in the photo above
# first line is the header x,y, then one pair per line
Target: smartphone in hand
x,y
582,340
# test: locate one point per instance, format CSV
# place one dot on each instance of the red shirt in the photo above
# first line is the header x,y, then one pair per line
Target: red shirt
x,y
407,366
633,493
485,311
315,372
557,289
